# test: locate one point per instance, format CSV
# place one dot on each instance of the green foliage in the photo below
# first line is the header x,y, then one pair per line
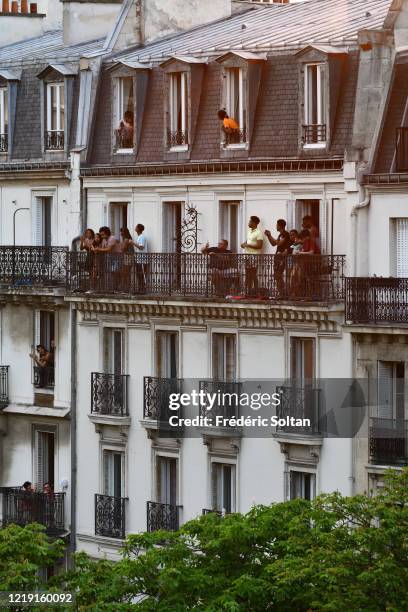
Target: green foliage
x,y
333,554
23,551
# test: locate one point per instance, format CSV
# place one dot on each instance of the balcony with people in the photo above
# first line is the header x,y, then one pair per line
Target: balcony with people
x,y
25,505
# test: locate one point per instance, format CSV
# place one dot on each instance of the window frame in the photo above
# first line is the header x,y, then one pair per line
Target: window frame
x,y
223,461
118,111
242,119
61,126
299,469
321,101
183,76
4,112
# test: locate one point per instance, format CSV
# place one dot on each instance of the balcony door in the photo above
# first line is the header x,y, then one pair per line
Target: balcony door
x,y
113,351
223,487
44,458
224,357
167,354
167,480
172,221
302,358
229,224
114,472
118,218
42,218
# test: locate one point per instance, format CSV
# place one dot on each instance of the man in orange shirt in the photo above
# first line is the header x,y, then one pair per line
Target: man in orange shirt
x,y
229,125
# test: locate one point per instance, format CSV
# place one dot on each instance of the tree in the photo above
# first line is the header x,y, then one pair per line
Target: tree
x,y
331,554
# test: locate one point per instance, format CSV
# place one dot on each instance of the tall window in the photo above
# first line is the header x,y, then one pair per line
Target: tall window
x,y
166,480
124,130
55,105
3,119
315,128
167,354
391,387
223,487
113,351
236,107
401,226
230,224
302,485
224,357
118,217
172,220
302,359
178,125
114,473
44,457
42,218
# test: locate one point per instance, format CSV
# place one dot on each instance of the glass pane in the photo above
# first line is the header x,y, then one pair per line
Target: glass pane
x,y
4,110
126,113
53,108
312,95
62,107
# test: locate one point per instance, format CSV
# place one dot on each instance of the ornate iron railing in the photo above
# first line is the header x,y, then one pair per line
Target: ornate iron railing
x,y
177,138
124,139
54,140
3,143
306,278
110,516
109,394
4,398
162,516
235,137
377,300
156,397
228,406
388,441
299,403
26,266
401,152
314,134
22,508
44,377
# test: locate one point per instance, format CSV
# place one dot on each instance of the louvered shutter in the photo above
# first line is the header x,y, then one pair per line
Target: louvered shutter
x,y
323,225
385,389
37,327
40,456
402,248
214,487
37,221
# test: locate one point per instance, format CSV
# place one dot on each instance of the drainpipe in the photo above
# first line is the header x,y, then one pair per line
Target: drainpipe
x,y
73,432
364,202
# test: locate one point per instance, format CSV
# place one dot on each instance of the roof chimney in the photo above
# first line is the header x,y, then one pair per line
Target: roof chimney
x,y
20,20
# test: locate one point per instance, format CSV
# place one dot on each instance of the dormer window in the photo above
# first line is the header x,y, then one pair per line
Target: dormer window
x,y
234,124
125,115
55,113
4,119
315,118
177,133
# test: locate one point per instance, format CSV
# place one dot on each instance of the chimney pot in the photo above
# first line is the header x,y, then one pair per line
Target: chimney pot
x,y
33,7
14,6
6,6
24,6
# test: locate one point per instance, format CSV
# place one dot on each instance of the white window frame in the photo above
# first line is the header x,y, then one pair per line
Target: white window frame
x,y
241,103
303,335
114,447
216,337
173,103
321,112
302,470
120,110
4,110
58,86
220,460
224,208
51,429
163,454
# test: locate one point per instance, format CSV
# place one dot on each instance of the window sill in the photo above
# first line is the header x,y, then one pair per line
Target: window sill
x,y
232,147
178,149
124,152
315,145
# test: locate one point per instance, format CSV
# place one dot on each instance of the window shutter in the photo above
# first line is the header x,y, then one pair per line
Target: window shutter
x,y
37,222
323,225
214,487
402,248
106,470
37,327
40,455
385,389
230,361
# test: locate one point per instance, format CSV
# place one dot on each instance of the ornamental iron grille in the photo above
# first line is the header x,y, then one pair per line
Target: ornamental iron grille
x,y
156,397
186,237
236,137
25,266
110,516
54,140
314,134
22,508
109,394
43,377
177,138
3,143
388,441
162,516
299,403
377,300
230,391
4,399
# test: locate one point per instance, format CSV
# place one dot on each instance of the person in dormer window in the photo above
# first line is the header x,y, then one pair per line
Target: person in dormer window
x,y
229,125
125,131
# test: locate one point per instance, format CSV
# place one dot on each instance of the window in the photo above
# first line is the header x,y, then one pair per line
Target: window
x,y
315,128
177,135
113,351
224,357
114,473
3,119
236,107
302,485
167,354
44,334
55,105
172,220
42,230
402,248
166,480
118,218
391,390
301,359
124,116
223,487
230,224
44,457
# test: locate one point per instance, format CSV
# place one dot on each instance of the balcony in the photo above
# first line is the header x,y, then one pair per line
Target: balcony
x,y
28,266
177,138
388,441
308,278
54,140
23,508
109,394
377,300
3,143
124,140
156,397
110,516
314,134
230,391
4,398
401,153
162,516
43,377
299,403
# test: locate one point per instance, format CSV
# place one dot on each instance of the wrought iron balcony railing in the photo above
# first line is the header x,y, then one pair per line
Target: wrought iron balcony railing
x,y
388,441
22,508
377,300
54,140
235,137
162,516
124,139
229,398
156,397
314,134
44,377
299,403
177,138
110,516
307,278
109,394
3,143
401,152
27,266
4,398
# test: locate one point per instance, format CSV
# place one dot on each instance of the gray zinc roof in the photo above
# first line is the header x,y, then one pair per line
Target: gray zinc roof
x,y
273,27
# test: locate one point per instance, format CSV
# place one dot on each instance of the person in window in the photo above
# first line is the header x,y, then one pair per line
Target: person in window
x,y
252,247
42,364
221,267
125,131
308,224
140,244
230,127
282,244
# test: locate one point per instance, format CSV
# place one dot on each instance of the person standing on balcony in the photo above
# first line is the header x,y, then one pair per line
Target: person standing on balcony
x,y
140,244
308,224
86,241
42,363
111,265
229,126
252,247
222,272
282,244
